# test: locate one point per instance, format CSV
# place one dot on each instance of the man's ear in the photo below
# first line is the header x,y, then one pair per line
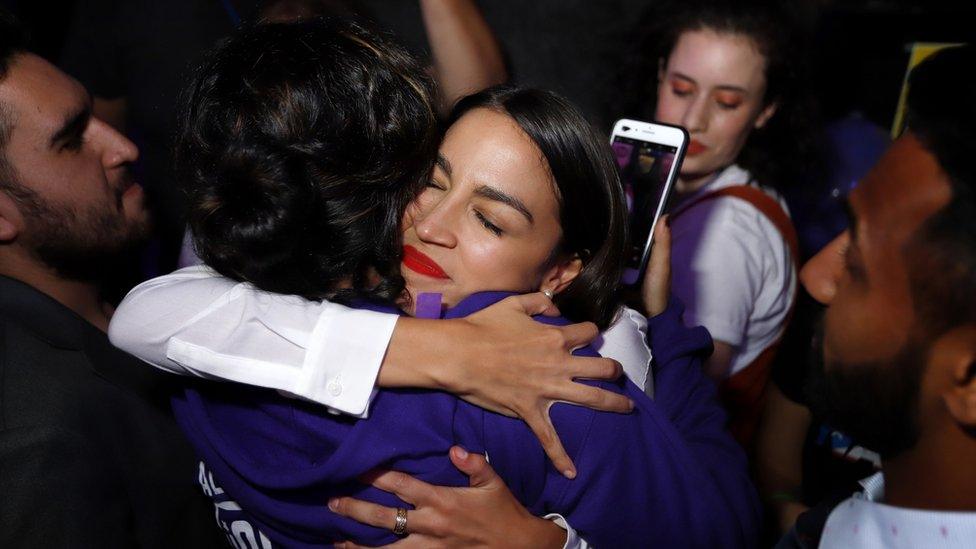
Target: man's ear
x,y
956,350
11,220
765,114
562,274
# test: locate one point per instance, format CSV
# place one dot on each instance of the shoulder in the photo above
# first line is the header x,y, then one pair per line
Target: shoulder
x,y
196,276
41,381
78,389
729,223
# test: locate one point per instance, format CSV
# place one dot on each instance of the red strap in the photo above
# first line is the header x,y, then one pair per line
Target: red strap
x,y
743,394
766,205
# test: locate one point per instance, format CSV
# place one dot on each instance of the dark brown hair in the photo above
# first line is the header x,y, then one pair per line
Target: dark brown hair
x,y
300,144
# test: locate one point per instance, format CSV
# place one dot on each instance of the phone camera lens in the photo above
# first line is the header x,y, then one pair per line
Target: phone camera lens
x,y
626,128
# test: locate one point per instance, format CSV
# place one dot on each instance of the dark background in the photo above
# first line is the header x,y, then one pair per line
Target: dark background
x,y
576,46
584,49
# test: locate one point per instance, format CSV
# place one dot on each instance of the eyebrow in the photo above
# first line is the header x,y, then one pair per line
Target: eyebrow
x,y
74,125
492,193
445,165
723,87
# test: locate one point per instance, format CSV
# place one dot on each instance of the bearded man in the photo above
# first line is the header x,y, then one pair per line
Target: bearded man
x,y
899,335
89,454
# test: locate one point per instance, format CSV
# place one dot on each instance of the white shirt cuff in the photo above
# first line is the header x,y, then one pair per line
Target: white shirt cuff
x,y
573,541
343,359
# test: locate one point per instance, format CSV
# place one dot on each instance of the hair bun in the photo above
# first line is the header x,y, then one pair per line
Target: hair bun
x,y
258,200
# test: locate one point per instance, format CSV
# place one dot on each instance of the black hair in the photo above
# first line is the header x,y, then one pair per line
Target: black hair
x,y
783,152
591,203
942,254
299,145
13,41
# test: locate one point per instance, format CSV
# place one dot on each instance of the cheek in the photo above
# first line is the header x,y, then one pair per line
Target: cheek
x,y
863,326
731,130
670,109
500,264
409,214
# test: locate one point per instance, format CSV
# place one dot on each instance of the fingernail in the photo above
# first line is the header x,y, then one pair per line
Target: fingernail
x,y
461,453
569,473
631,402
333,504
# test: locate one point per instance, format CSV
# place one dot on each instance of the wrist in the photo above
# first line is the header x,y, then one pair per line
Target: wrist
x,y
540,532
787,513
418,355
454,355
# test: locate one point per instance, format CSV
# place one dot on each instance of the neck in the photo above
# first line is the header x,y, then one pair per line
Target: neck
x,y
692,183
79,296
935,475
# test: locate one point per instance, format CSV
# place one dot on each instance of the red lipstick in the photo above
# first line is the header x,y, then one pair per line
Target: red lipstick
x,y
695,147
420,263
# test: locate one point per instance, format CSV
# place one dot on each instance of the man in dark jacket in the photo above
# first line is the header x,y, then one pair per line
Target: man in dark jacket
x,y
89,454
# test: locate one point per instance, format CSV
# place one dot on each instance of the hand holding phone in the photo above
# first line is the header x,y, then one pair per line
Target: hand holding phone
x,y
649,156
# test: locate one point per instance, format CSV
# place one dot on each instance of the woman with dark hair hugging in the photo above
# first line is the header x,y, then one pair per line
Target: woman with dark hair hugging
x,y
524,198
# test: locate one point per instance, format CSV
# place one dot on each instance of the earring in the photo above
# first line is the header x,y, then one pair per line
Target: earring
x,y
548,293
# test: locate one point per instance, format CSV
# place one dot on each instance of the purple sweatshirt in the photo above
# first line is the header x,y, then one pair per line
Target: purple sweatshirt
x,y
667,474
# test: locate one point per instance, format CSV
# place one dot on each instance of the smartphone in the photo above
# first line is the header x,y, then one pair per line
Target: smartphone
x,y
649,156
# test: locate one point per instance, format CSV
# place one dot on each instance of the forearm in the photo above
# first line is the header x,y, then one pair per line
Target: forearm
x,y
466,56
718,366
194,322
698,486
422,354
683,391
780,456
688,398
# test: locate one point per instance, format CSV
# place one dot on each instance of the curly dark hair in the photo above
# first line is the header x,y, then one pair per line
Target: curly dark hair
x,y
783,152
942,254
299,145
592,212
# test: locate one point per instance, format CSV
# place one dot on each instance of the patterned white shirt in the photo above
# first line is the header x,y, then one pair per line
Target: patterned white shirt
x,y
863,520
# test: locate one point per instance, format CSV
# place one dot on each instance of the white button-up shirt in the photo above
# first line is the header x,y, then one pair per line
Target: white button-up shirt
x,y
196,322
863,520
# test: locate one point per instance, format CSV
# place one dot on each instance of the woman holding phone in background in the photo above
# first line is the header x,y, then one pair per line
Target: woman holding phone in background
x,y
725,74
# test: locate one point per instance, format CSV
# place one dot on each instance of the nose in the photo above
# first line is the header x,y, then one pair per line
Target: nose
x,y
434,224
820,274
117,150
696,115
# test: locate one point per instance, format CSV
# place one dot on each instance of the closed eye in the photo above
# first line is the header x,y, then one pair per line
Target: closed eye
x,y
852,262
488,224
73,143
